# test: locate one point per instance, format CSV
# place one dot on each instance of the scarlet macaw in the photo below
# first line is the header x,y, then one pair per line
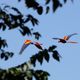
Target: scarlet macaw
x,y
27,43
65,39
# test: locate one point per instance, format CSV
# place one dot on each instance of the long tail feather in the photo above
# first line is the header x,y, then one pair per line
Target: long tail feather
x,y
71,42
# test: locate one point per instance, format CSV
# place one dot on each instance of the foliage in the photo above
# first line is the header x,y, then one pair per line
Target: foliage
x,y
18,21
23,72
45,54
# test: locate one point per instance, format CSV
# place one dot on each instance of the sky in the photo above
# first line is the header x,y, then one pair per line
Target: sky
x,y
64,21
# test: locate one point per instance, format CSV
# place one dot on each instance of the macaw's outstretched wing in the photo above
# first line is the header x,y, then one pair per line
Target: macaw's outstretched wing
x,y
23,48
72,42
67,37
56,38
38,45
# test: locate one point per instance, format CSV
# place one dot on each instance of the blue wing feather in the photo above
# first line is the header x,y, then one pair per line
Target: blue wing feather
x,y
56,38
71,35
23,48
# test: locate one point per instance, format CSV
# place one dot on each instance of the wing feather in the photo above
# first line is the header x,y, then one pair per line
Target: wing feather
x,y
23,48
38,45
67,37
56,38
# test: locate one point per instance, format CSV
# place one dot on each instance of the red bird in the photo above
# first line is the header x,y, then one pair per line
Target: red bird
x,y
27,43
65,39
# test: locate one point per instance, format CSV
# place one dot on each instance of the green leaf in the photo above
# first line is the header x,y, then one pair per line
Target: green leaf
x,y
65,1
46,55
40,57
56,4
37,35
25,30
51,48
47,9
47,2
40,10
2,55
15,9
33,60
56,55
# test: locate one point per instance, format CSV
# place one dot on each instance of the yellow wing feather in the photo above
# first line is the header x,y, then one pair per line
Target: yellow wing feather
x,y
65,38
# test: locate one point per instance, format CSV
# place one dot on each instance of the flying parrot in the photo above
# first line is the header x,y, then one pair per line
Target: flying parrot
x,y
27,43
66,38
